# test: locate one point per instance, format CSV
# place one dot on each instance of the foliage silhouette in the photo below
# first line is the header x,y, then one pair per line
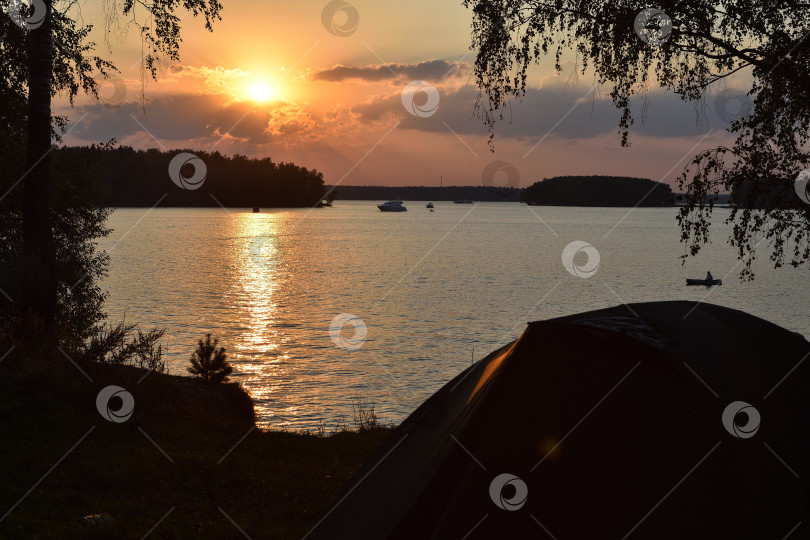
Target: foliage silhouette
x,y
210,363
78,223
55,56
126,344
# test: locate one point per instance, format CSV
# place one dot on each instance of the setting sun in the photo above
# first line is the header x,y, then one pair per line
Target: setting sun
x,y
261,92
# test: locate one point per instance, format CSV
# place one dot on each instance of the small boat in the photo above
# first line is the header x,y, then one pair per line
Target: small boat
x,y
429,205
463,201
392,206
255,209
706,282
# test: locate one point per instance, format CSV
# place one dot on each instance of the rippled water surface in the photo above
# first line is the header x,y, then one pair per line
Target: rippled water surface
x,y
435,290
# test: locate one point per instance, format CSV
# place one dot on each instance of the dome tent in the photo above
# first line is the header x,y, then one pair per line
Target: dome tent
x,y
653,420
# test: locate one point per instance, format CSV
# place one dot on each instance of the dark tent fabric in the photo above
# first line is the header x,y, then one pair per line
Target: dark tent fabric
x,y
653,420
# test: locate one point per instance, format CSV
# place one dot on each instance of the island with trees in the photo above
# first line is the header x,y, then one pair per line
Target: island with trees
x,y
598,191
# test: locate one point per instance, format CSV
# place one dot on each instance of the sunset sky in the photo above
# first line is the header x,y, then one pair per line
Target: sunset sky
x,y
272,80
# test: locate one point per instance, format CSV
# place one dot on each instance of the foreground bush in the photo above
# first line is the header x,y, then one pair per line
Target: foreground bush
x,y
210,363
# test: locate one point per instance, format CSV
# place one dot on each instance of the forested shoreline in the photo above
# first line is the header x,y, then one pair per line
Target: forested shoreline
x,y
142,178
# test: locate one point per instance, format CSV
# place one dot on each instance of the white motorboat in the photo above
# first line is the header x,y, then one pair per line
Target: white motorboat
x,y
392,206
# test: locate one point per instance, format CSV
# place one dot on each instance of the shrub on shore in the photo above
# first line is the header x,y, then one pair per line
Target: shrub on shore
x,y
126,344
365,419
210,363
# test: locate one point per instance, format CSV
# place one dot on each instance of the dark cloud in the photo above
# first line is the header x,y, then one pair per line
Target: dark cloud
x,y
432,70
559,111
183,117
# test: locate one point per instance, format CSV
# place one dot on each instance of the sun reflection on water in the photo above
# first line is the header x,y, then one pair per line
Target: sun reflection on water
x,y
258,352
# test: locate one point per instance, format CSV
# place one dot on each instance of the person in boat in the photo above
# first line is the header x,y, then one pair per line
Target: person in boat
x,y
709,276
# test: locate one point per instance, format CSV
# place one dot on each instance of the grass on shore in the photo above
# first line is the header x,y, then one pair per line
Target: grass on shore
x,y
188,463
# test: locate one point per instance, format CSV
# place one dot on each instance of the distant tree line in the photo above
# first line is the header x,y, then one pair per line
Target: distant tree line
x,y
423,193
141,178
598,191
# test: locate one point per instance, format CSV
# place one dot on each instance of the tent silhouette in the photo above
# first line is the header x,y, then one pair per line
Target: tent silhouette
x,y
652,420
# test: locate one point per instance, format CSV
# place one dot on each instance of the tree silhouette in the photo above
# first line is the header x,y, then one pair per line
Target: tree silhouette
x,y
57,59
705,43
76,222
210,363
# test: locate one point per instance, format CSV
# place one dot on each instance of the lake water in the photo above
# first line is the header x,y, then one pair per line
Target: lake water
x,y
434,290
